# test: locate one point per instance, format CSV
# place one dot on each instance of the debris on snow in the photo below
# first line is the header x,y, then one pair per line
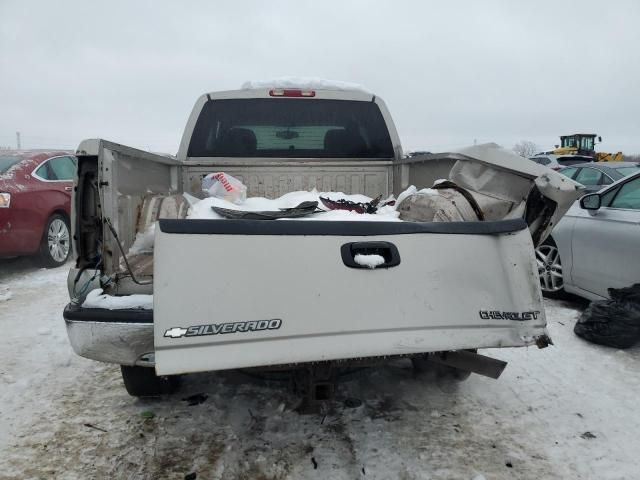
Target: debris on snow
x,y
5,294
352,402
195,399
614,322
203,210
89,425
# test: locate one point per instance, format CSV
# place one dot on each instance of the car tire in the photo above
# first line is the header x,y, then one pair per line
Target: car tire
x,y
55,247
143,382
423,365
550,269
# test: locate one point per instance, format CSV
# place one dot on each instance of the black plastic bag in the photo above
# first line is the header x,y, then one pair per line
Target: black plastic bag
x,y
614,323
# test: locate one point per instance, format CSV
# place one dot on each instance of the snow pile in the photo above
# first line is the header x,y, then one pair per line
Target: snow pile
x,y
305,83
371,261
144,241
202,209
96,299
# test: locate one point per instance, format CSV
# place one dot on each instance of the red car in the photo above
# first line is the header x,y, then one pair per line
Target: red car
x,y
35,204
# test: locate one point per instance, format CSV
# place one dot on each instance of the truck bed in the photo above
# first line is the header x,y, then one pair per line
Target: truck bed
x,y
234,293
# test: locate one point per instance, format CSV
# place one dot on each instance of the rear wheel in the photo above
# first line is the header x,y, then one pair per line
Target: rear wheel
x,y
55,247
143,382
550,269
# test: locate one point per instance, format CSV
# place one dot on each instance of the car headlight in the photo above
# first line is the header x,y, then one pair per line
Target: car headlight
x,y
5,200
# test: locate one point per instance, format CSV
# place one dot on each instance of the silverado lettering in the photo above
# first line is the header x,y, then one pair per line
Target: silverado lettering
x,y
221,328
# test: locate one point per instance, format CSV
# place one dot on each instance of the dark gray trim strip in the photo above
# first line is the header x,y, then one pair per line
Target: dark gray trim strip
x,y
79,314
305,227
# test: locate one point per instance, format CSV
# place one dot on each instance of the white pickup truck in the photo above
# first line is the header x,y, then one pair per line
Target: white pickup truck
x,y
230,294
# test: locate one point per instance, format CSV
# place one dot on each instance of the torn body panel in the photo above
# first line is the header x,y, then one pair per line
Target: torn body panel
x,y
503,184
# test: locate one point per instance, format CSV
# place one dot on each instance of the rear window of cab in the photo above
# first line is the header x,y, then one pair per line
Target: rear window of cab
x,y
290,128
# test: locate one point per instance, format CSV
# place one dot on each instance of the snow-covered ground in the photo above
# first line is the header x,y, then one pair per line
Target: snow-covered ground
x,y
566,412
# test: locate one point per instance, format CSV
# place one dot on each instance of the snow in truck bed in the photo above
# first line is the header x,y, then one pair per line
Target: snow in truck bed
x,y
201,209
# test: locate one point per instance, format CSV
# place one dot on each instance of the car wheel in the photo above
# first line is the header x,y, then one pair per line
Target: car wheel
x,y
143,382
550,270
56,242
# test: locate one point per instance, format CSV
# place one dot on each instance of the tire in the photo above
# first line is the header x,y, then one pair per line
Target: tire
x,y
55,247
550,270
422,364
143,382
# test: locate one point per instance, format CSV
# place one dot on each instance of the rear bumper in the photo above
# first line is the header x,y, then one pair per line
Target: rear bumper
x,y
124,337
340,346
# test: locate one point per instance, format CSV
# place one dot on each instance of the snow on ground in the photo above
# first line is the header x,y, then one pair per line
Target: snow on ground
x,y
566,412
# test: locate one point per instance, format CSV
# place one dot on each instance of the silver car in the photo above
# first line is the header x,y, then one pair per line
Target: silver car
x,y
556,162
596,245
597,175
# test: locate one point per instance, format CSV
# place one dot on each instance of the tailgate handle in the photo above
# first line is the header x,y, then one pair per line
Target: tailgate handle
x,y
367,255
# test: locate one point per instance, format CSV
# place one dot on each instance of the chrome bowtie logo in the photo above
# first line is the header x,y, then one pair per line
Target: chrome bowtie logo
x,y
175,332
222,328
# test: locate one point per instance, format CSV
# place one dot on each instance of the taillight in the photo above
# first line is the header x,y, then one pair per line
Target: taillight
x,y
5,200
291,92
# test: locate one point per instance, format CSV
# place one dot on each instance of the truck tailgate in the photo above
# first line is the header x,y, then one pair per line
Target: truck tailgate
x,y
238,293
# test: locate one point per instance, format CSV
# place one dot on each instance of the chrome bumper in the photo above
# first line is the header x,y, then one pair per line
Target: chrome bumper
x,y
116,341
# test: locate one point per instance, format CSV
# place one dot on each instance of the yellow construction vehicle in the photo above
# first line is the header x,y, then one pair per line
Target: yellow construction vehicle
x,y
584,144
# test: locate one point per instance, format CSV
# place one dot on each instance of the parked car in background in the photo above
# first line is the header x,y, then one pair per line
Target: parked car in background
x,y
556,162
596,175
596,245
35,204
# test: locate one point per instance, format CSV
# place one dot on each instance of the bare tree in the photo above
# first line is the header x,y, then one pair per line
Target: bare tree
x,y
525,148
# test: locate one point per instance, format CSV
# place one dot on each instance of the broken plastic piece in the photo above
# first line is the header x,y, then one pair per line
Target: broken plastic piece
x,y
301,210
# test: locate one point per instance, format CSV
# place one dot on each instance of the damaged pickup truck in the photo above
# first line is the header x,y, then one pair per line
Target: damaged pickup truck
x,y
452,273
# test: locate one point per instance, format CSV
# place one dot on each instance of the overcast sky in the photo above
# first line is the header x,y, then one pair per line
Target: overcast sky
x,y
450,72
